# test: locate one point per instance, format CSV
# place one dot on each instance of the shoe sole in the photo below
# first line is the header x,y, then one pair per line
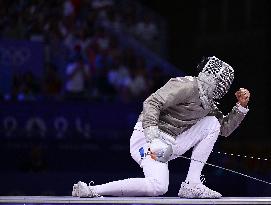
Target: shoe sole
x,y
187,193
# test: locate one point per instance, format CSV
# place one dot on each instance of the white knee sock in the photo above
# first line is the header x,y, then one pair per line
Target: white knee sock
x,y
156,178
201,153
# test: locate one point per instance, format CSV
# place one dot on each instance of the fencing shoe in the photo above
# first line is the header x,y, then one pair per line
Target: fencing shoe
x,y
75,190
190,190
86,191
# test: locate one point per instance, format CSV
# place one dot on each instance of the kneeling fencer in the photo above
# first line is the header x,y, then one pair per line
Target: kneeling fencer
x,y
180,115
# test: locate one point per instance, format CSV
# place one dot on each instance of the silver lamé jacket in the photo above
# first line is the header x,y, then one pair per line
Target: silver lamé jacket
x,y
176,107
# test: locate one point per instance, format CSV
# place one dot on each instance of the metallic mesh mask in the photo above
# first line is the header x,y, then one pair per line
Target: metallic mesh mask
x,y
217,74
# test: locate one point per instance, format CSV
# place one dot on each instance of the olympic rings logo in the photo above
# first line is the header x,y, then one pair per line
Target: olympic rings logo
x,y
14,56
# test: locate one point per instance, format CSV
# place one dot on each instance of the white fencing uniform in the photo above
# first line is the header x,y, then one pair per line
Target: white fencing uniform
x,y
184,108
202,136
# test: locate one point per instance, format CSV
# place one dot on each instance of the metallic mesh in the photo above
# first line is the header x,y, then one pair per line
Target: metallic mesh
x,y
222,73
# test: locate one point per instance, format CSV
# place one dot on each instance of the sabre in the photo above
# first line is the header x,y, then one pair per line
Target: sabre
x,y
229,170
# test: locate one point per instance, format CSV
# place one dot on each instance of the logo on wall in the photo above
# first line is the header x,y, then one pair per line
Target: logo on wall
x,y
22,56
14,56
39,127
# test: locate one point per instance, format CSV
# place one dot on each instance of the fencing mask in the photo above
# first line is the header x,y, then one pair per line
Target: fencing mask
x,y
214,79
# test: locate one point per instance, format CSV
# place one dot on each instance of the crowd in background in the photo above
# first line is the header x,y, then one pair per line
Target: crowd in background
x,y
96,64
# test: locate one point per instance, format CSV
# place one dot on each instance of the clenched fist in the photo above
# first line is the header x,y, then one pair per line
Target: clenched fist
x,y
242,96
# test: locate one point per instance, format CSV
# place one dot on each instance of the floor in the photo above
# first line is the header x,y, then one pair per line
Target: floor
x,y
129,200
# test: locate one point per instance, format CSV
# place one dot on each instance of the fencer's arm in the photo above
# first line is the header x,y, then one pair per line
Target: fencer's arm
x,y
231,121
173,92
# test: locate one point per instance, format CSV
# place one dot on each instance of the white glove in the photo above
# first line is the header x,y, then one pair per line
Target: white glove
x,y
160,151
160,145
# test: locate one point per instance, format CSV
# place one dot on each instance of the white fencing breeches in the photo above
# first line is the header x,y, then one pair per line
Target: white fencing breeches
x,y
202,136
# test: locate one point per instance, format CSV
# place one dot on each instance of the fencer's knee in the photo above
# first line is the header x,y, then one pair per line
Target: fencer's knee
x,y
158,188
215,122
212,123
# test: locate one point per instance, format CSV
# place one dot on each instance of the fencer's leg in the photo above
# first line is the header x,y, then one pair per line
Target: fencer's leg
x,y
125,187
202,136
156,173
155,182
209,132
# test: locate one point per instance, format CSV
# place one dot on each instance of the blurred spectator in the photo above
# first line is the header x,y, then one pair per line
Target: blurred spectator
x,y
25,87
52,83
157,78
77,76
129,57
106,92
114,20
68,8
97,4
102,39
138,85
146,29
36,31
119,78
14,30
74,27
130,18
